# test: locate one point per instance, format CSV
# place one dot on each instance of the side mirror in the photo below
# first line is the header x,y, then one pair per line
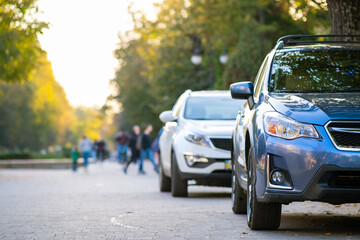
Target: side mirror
x,y
243,90
167,116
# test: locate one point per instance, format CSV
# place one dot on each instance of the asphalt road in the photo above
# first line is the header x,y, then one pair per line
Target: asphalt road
x,y
103,203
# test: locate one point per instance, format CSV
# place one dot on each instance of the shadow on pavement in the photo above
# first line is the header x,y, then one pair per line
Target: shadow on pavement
x,y
208,195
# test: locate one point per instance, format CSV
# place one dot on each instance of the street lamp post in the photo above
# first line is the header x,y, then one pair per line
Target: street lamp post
x,y
196,58
224,57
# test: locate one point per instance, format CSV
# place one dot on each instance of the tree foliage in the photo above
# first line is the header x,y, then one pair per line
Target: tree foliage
x,y
154,58
18,39
88,122
35,114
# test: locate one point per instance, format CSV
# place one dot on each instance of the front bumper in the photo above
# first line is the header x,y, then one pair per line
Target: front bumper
x,y
326,186
317,171
217,172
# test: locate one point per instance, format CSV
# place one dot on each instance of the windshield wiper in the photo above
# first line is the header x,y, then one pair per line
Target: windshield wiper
x,y
345,90
293,91
325,91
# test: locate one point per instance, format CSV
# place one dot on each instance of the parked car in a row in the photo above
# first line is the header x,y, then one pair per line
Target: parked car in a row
x,y
196,141
299,136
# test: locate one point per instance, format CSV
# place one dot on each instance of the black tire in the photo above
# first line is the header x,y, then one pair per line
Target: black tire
x,y
179,187
164,181
260,216
238,195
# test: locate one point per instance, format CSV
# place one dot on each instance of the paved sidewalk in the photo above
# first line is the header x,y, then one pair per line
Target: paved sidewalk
x,y
103,203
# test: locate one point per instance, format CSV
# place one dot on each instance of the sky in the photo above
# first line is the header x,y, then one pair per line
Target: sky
x,y
80,42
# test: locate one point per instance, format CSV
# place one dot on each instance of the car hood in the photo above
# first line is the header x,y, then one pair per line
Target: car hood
x,y
210,128
317,108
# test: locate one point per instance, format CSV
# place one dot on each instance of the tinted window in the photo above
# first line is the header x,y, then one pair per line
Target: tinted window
x,y
316,71
212,108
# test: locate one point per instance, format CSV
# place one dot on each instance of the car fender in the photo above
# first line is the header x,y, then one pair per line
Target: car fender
x,y
165,146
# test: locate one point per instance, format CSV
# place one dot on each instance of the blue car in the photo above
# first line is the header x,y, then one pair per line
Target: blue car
x,y
298,138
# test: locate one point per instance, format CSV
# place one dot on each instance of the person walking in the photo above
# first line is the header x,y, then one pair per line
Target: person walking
x,y
146,151
134,147
100,151
94,150
85,147
122,139
75,157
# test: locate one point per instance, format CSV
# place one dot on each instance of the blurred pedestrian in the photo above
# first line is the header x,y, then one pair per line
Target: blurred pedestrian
x,y
146,151
94,150
155,146
74,157
85,147
134,140
122,139
101,149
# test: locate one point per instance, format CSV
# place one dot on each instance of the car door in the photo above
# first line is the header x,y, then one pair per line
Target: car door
x,y
248,115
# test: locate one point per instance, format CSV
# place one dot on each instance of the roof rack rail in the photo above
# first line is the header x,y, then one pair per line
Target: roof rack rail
x,y
287,40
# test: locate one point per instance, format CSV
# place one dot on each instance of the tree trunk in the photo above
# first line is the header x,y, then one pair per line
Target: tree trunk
x,y
345,16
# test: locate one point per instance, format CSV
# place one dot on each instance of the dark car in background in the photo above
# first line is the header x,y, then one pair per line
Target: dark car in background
x,y
298,138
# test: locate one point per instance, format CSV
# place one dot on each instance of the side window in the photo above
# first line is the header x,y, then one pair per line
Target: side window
x,y
260,79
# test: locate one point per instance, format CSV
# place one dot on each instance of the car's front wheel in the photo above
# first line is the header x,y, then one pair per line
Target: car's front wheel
x,y
164,181
260,216
179,187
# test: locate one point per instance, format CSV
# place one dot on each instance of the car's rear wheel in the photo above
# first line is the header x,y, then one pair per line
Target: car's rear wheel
x,y
164,181
179,187
238,195
260,216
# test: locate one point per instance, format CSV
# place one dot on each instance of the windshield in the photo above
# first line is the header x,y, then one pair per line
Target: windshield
x,y
212,108
316,71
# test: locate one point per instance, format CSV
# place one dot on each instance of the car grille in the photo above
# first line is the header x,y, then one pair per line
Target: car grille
x,y
345,135
223,143
341,179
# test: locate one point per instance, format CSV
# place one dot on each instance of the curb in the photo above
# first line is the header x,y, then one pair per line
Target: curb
x,y
39,164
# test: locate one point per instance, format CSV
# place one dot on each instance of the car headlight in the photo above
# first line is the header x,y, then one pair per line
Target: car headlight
x,y
279,125
197,139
